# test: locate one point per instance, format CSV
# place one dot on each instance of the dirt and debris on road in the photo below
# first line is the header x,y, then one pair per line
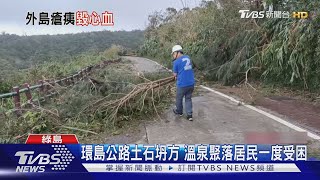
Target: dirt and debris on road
x,y
299,108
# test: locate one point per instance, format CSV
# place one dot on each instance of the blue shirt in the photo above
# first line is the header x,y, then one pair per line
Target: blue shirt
x,y
183,67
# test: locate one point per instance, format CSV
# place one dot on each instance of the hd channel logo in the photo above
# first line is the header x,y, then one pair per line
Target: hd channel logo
x,y
31,161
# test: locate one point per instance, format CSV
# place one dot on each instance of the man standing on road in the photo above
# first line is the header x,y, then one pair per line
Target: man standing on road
x,y
183,72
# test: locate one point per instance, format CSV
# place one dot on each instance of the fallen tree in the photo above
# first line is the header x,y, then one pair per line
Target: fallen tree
x,y
110,101
135,100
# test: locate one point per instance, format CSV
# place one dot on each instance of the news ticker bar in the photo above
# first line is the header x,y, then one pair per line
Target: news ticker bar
x,y
123,153
174,152
55,158
190,168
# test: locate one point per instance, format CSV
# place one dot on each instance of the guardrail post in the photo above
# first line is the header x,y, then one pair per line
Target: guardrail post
x,y
67,81
87,71
52,83
72,79
59,82
64,81
47,86
75,78
90,69
84,72
78,76
16,99
41,89
28,94
81,75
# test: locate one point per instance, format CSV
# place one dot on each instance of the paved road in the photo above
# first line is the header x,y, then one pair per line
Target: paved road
x,y
216,120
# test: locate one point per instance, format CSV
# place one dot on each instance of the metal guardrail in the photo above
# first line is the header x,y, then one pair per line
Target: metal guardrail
x,y
11,94
45,85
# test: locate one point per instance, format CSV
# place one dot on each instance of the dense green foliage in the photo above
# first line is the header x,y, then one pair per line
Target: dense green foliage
x,y
24,51
51,56
48,70
57,70
281,51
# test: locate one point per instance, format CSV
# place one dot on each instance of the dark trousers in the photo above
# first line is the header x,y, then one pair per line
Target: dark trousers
x,y
185,92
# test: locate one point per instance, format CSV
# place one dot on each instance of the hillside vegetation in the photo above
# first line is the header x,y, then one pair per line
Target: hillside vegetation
x,y
24,51
111,100
282,51
20,53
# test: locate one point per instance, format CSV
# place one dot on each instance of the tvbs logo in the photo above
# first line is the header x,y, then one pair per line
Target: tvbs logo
x,y
28,162
253,14
300,15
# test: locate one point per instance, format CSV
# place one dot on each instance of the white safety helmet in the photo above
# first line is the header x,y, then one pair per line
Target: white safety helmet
x,y
176,48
